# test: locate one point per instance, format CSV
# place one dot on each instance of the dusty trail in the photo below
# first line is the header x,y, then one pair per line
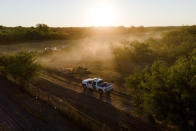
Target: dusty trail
x,y
116,99
19,111
107,110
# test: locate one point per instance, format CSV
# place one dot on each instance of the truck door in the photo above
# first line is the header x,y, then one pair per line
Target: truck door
x,y
94,85
90,84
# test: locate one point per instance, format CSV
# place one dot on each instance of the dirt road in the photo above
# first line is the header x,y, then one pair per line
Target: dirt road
x,y
116,99
19,111
105,110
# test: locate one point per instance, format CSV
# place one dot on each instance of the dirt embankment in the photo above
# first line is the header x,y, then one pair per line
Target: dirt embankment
x,y
19,111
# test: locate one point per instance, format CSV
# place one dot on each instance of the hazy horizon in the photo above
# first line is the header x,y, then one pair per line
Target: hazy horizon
x,y
87,13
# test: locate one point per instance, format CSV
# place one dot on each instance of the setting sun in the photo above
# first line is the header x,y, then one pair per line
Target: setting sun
x,y
102,15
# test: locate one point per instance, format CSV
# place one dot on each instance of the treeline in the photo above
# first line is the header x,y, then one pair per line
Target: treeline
x,y
161,77
39,33
42,32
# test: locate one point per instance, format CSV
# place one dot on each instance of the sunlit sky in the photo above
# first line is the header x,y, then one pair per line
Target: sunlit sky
x,y
97,12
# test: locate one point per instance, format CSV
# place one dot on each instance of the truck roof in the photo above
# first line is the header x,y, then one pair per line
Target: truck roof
x,y
97,79
89,79
92,79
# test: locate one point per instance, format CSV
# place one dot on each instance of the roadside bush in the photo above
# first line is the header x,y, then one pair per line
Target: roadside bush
x,y
168,93
22,67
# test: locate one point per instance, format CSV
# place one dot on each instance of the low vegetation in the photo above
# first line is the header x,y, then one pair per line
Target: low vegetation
x,y
133,56
42,32
167,92
21,67
160,74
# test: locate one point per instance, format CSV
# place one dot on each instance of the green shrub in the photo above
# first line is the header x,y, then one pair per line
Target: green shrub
x,y
22,67
167,92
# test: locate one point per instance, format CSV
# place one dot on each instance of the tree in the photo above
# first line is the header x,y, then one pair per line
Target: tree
x,y
167,92
42,27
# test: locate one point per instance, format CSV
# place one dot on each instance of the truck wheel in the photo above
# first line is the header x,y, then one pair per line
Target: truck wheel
x,y
100,92
84,86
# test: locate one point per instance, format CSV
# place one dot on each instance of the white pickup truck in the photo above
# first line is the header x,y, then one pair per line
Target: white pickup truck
x,y
98,85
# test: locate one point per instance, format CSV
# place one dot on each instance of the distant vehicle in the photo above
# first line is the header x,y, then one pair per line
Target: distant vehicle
x,y
62,47
48,51
98,85
51,49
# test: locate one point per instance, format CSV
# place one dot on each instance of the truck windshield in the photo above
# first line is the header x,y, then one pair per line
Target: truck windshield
x,y
100,83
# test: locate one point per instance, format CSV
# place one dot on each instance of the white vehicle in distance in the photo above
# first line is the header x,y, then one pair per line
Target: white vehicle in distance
x,y
98,85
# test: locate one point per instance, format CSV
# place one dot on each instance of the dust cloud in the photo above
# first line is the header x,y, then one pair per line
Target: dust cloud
x,y
94,53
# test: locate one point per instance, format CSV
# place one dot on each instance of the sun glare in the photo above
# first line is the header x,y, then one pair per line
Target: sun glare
x,y
102,15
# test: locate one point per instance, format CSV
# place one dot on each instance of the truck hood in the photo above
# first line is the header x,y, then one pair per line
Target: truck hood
x,y
86,80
